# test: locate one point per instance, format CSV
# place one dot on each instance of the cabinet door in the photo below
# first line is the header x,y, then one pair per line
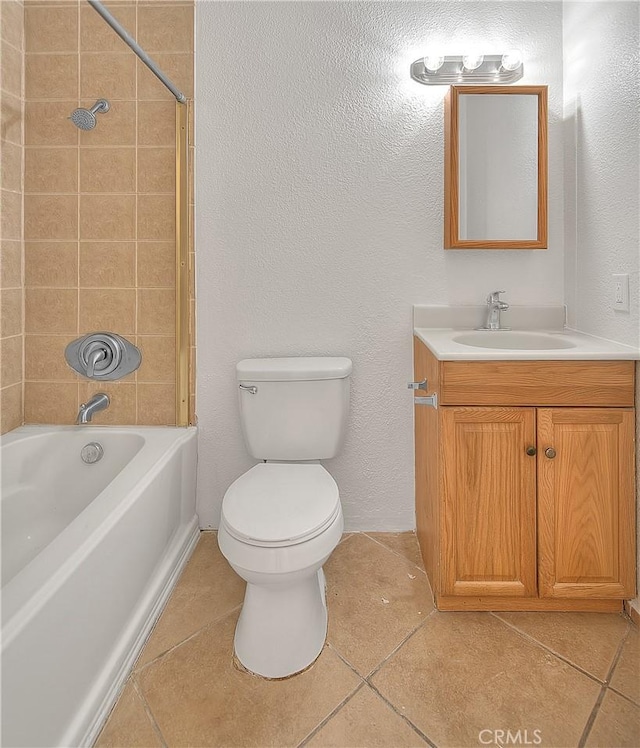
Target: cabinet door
x,y
489,511
586,522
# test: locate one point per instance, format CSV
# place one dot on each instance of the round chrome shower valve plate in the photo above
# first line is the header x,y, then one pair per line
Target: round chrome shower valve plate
x,y
92,452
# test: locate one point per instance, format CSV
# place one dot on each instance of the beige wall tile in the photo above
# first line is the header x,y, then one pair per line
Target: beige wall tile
x,y
179,69
128,724
11,171
115,127
11,61
157,404
156,170
47,123
157,123
11,218
158,358
122,406
166,28
51,76
11,414
10,118
11,361
95,34
44,358
107,217
156,264
12,26
11,264
53,310
108,309
51,264
51,170
50,217
11,312
107,75
50,402
51,28
107,264
156,217
107,169
156,311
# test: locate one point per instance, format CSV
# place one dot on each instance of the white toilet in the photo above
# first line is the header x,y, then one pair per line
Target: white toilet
x,y
282,519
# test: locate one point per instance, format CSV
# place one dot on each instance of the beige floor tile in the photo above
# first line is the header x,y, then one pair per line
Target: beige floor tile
x,y
375,600
590,640
199,698
366,721
626,676
403,543
462,673
128,724
617,724
207,590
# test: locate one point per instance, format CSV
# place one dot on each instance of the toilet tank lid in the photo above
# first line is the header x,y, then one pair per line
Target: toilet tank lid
x,y
298,368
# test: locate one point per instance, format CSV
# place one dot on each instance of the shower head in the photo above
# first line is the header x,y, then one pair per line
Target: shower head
x,y
85,119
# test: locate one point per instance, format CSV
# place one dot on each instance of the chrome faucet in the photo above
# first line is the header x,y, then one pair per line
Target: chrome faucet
x,y
99,401
495,306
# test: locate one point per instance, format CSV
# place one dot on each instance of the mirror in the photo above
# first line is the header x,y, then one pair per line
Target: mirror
x,y
496,167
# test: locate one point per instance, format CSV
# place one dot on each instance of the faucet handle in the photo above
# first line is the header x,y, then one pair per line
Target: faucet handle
x,y
494,297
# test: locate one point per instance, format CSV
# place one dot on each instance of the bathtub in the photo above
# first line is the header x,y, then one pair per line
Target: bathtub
x,y
90,553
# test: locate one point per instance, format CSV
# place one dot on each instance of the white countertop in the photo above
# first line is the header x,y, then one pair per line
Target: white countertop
x,y
437,327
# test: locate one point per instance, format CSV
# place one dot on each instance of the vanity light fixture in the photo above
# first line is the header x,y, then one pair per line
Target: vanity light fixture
x,y
471,68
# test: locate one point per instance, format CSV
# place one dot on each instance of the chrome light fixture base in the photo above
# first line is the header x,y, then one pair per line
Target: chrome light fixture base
x,y
452,72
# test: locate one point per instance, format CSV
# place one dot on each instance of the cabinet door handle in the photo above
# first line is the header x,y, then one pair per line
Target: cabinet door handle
x,y
531,451
550,452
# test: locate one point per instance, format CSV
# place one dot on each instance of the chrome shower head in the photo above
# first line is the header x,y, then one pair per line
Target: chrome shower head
x,y
85,119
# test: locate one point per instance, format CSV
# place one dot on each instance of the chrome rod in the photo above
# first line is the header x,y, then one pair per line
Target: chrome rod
x,y
133,44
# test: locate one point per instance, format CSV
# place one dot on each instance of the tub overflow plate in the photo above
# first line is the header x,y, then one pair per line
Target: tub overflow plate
x,y
92,452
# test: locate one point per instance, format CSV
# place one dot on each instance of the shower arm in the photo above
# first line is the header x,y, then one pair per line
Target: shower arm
x,y
133,44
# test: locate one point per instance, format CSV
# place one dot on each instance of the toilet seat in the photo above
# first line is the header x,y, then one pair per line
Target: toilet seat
x,y
280,504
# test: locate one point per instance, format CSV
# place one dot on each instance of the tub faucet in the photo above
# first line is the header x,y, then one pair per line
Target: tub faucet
x,y
494,307
99,401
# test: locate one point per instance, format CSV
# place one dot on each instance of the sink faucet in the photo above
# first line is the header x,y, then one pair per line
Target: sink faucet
x,y
99,401
495,306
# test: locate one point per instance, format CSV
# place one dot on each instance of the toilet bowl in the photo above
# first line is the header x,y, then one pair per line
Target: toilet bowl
x,y
282,519
283,624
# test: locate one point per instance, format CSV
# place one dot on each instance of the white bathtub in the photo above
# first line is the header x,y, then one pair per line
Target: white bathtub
x,y
90,553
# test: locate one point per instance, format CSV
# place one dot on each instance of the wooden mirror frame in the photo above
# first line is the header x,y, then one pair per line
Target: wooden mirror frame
x,y
451,162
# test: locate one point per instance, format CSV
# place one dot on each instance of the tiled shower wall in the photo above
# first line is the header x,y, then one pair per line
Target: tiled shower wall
x,y
11,252
99,206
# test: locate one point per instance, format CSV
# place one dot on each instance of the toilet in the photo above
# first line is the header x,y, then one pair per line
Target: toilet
x,y
282,519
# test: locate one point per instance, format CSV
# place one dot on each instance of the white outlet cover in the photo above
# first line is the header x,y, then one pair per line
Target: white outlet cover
x,y
621,292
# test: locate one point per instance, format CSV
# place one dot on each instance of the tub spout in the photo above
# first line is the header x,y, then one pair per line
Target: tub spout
x,y
99,401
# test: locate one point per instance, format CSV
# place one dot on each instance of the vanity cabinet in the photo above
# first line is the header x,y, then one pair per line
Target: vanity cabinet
x,y
525,494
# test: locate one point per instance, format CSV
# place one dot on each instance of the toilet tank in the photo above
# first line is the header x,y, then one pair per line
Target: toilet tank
x,y
294,408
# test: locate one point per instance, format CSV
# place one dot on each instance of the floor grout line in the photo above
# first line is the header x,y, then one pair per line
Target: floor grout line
x,y
592,718
402,716
147,708
331,714
551,651
395,553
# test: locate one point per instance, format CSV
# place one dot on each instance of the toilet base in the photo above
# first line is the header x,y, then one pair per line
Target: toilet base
x,y
283,626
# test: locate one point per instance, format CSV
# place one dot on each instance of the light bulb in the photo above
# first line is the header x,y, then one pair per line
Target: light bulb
x,y
512,59
472,61
433,62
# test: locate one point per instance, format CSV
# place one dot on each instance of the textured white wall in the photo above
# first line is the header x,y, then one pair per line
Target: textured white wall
x,y
319,213
602,165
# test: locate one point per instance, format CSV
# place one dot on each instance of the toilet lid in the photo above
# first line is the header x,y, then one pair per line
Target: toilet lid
x,y
280,503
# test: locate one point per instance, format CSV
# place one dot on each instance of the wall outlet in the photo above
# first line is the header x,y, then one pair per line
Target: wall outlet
x,y
621,292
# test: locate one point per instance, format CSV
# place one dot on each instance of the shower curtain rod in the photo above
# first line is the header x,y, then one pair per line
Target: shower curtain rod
x,y
133,44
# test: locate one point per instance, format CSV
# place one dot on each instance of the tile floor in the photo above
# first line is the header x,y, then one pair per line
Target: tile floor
x,y
394,671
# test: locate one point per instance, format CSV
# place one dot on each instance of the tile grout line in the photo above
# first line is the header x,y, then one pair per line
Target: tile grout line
x,y
395,553
383,662
592,718
403,717
331,714
148,711
546,648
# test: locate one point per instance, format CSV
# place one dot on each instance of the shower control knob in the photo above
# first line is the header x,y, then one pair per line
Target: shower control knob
x,y
103,356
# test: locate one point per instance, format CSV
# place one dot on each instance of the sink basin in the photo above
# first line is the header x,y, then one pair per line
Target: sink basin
x,y
513,340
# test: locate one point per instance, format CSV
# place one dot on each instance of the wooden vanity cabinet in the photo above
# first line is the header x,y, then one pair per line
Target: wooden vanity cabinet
x,y
526,502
